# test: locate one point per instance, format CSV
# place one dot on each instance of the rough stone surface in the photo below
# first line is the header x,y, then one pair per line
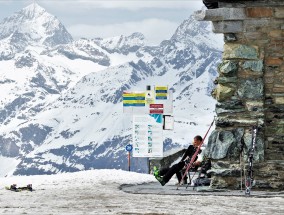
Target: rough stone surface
x,y
228,68
225,80
254,105
273,61
257,12
223,92
279,12
222,144
251,94
239,51
251,89
221,14
256,66
227,27
279,100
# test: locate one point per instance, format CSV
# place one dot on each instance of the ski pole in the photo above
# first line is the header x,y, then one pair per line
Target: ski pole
x,y
195,155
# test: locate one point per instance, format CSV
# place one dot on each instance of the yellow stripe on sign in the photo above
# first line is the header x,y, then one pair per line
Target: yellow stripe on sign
x,y
133,101
162,94
134,95
161,88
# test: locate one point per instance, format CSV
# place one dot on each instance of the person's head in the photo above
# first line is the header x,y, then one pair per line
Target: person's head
x,y
197,140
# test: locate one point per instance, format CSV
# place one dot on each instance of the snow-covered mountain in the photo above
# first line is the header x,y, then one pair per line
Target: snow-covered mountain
x,y
61,100
33,25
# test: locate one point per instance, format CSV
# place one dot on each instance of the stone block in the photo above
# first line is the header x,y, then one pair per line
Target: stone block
x,y
276,34
258,12
239,51
279,85
225,122
279,100
279,12
251,89
254,35
272,61
228,68
223,92
254,25
225,172
225,80
254,105
224,144
278,90
227,26
220,14
230,107
268,80
275,130
232,104
255,66
278,107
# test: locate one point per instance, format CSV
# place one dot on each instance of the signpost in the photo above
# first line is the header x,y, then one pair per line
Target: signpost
x,y
128,148
152,113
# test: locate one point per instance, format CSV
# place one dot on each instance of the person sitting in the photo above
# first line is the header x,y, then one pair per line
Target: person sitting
x,y
165,174
204,178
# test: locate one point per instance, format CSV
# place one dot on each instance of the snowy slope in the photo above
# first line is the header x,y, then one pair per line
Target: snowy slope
x,y
61,105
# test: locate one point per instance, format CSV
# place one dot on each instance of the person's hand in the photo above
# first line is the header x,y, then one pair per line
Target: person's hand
x,y
196,163
187,161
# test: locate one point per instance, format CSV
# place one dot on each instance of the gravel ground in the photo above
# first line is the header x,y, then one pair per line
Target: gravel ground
x,y
108,199
79,195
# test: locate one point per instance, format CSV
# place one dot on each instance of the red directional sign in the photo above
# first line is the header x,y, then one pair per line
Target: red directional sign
x,y
156,105
156,108
158,111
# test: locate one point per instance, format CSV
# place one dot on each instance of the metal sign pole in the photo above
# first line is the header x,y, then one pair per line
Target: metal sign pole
x,y
128,148
129,161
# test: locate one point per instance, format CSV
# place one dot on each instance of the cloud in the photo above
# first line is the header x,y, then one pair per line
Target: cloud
x,y
127,4
138,4
155,30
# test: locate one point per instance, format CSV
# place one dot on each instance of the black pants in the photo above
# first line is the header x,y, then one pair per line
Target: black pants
x,y
168,173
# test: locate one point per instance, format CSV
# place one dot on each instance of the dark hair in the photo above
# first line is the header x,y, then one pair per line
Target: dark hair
x,y
198,137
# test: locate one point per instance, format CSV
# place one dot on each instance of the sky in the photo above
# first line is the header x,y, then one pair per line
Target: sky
x,y
156,19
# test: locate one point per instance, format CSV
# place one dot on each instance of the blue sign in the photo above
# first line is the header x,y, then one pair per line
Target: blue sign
x,y
128,147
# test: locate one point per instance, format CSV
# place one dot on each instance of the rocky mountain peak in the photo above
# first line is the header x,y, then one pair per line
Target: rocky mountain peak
x,y
198,33
36,26
32,11
122,44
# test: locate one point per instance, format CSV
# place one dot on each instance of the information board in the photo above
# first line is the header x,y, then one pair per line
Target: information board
x,y
148,135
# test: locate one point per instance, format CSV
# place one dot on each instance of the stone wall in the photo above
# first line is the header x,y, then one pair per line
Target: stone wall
x,y
249,91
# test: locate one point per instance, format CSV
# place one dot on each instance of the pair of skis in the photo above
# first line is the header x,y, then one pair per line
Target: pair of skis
x,y
194,156
249,177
